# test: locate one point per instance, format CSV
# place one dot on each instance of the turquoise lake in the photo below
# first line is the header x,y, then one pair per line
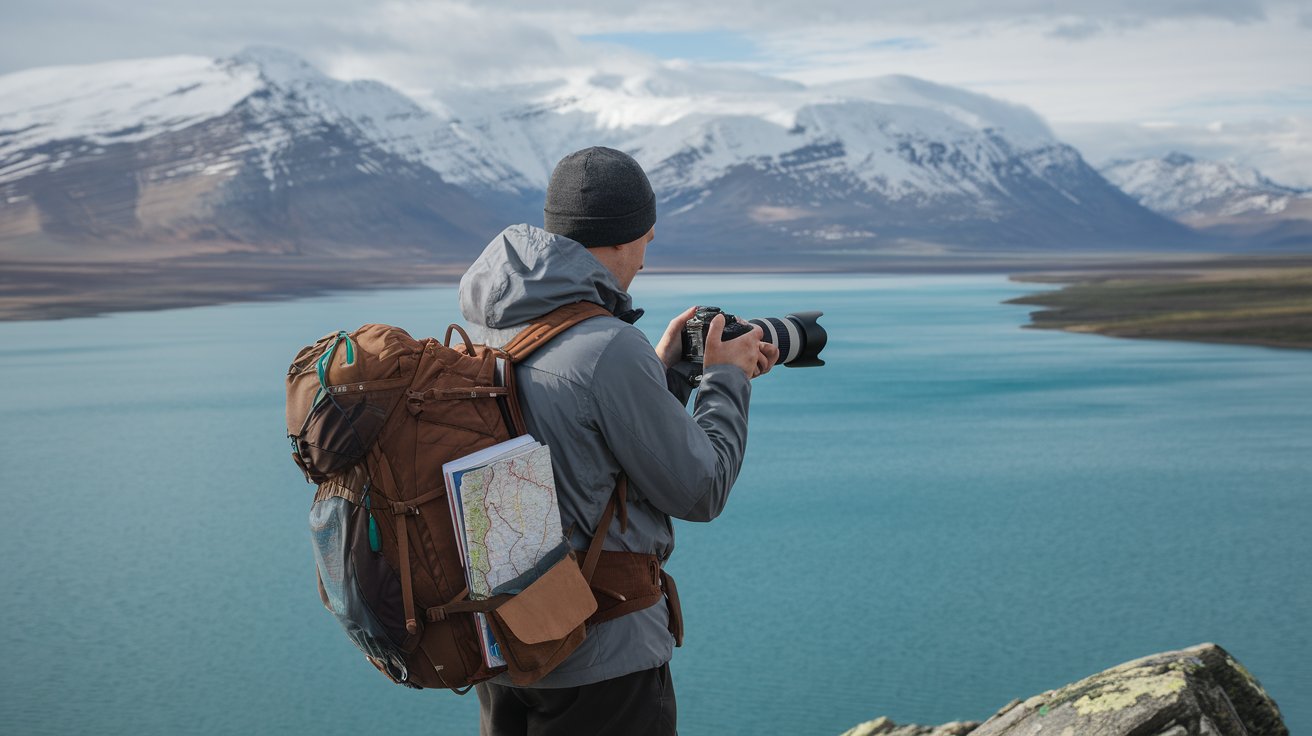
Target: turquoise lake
x,y
952,513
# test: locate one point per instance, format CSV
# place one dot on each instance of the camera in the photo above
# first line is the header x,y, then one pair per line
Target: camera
x,y
798,336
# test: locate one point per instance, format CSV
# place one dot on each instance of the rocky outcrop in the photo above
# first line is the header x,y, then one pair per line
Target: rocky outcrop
x,y
1199,691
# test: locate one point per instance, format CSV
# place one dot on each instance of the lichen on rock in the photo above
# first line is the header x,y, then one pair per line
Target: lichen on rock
x,y
1128,693
1199,691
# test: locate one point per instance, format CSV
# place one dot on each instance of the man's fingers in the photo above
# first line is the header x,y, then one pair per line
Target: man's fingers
x,y
766,356
670,347
678,322
715,330
747,351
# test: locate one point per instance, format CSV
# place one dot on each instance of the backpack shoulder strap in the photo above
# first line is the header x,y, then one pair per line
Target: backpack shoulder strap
x,y
537,334
541,330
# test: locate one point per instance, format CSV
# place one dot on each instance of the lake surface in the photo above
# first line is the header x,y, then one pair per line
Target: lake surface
x,y
952,513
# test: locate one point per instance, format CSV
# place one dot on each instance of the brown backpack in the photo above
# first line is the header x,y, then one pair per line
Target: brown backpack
x,y
372,416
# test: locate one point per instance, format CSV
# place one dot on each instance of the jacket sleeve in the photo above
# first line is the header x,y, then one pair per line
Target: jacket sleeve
x,y
683,465
676,380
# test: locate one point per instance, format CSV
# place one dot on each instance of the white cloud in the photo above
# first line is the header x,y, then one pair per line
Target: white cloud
x,y
1127,74
681,15
1280,148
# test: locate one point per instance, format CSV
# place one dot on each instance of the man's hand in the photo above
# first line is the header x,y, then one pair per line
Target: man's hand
x,y
766,360
747,351
670,348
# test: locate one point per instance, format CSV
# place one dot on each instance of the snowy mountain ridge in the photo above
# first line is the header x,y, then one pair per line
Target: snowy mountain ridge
x,y
1183,187
127,101
508,140
262,148
744,117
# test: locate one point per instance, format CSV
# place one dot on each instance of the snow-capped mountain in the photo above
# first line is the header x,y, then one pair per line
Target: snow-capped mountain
x,y
261,151
1219,198
746,165
1183,187
256,152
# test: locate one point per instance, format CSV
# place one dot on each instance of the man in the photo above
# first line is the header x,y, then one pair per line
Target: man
x,y
606,404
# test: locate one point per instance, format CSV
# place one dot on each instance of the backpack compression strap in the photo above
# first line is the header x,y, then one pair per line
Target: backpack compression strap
x,y
618,502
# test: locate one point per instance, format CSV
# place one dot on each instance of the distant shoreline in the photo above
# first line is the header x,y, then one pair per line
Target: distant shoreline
x,y
1254,301
64,289
34,290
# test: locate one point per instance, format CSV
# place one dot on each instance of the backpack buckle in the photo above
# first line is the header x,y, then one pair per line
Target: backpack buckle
x,y
404,509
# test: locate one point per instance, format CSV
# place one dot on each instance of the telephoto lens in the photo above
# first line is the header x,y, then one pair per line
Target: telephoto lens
x,y
799,337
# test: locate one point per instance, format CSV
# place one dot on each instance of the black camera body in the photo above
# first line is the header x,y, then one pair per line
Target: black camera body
x,y
798,336
697,328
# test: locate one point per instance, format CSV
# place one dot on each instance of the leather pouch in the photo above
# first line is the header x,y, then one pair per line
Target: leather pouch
x,y
539,627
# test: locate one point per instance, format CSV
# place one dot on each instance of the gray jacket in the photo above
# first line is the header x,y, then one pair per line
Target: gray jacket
x,y
598,396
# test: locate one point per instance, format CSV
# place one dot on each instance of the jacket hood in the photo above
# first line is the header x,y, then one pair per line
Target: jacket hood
x,y
526,272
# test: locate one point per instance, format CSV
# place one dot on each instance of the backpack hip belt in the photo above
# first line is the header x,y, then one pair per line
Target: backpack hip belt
x,y
624,582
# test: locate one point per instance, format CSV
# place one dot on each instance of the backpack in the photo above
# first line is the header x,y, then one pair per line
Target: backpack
x,y
372,416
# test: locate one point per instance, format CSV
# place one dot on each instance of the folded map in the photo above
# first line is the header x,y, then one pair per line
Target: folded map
x,y
504,508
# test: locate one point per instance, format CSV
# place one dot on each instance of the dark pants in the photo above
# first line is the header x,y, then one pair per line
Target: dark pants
x,y
640,704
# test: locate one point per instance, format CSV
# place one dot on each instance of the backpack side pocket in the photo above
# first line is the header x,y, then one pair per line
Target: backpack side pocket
x,y
358,585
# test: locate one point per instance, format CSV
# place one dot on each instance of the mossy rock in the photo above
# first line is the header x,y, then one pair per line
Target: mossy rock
x,y
1199,691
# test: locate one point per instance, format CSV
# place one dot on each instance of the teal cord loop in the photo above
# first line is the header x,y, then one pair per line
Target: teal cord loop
x,y
375,543
321,365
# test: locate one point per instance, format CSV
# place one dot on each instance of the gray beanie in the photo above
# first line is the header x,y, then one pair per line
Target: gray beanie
x,y
599,196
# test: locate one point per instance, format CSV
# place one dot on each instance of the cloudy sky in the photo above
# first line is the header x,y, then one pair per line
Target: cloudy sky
x,y
1216,78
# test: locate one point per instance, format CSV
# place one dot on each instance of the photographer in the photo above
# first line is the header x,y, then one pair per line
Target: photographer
x,y
610,407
